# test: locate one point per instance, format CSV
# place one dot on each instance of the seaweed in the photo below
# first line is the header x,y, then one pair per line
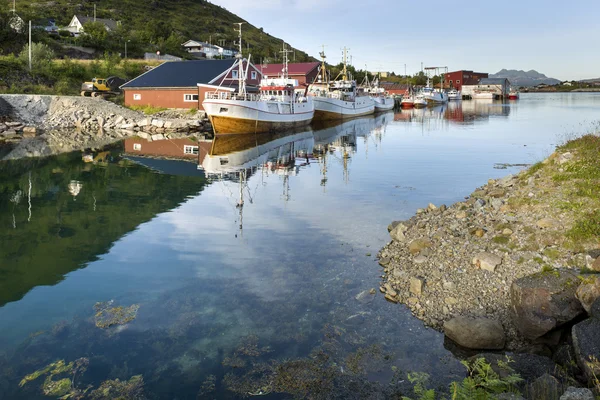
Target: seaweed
x,y
107,316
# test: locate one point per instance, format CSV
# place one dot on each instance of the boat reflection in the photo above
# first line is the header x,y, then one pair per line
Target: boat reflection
x,y
461,112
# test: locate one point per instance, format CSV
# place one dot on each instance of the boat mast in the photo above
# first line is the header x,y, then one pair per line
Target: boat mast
x,y
345,70
323,71
241,81
285,61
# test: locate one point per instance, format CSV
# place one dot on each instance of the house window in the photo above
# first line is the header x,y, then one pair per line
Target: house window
x,y
234,74
457,81
137,96
253,75
187,149
451,81
137,146
190,97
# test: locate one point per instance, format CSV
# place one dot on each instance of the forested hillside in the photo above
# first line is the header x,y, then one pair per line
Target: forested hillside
x,y
151,25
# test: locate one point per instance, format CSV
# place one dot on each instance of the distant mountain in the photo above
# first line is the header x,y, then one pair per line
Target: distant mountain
x,y
590,80
524,78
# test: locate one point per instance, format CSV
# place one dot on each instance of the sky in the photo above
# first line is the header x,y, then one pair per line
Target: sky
x,y
559,39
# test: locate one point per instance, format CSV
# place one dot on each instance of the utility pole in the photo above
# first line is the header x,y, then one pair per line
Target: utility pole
x,y
94,12
14,10
30,45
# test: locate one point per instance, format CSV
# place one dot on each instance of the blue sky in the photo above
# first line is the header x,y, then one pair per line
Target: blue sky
x,y
559,39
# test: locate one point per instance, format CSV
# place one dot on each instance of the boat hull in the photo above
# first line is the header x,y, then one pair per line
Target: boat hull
x,y
513,97
420,104
332,109
235,117
383,104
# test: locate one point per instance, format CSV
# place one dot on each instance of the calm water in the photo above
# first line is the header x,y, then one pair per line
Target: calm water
x,y
254,297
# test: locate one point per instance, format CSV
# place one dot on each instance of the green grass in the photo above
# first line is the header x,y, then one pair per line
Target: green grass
x,y
148,109
588,227
501,239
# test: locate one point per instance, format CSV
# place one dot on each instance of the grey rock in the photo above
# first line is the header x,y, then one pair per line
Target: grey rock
x,y
586,345
421,259
573,393
365,297
486,261
507,181
398,233
547,223
476,333
546,387
479,203
143,135
588,291
544,301
159,123
158,136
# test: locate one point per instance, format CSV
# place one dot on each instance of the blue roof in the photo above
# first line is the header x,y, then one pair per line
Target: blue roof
x,y
180,74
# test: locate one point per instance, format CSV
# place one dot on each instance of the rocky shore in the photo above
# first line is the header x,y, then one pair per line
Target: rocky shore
x,y
33,125
512,267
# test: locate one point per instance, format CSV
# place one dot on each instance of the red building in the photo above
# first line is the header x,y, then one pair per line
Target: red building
x,y
174,84
305,73
458,78
395,88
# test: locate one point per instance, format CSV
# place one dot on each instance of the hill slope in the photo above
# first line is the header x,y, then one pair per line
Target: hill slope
x,y
524,78
152,25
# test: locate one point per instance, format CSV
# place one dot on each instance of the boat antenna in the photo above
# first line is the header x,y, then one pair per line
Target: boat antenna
x,y
241,81
285,61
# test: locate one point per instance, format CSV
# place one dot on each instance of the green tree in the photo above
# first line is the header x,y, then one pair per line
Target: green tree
x,y
41,56
94,35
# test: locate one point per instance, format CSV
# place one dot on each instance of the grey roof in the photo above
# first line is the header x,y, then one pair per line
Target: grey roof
x,y
110,23
183,74
493,81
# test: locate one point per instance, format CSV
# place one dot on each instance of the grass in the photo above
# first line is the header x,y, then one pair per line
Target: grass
x,y
501,239
148,109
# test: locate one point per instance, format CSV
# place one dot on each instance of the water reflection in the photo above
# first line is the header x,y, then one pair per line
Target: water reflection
x,y
466,112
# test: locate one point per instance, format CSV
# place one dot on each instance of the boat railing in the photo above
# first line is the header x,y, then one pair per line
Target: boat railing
x,y
232,96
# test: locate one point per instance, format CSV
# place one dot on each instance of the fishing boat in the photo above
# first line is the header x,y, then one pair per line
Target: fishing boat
x,y
383,100
433,96
513,94
339,99
408,101
277,106
454,94
420,101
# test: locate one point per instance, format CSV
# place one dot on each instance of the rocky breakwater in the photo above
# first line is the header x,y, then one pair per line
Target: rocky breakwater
x,y
45,125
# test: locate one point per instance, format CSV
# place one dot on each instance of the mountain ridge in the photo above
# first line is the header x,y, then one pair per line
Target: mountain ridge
x,y
525,78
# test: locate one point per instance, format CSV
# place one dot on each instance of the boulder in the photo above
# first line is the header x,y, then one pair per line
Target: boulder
x,y
497,193
588,291
461,215
127,126
418,245
159,123
507,181
544,301
144,122
487,261
586,343
545,387
158,136
118,120
143,135
476,333
29,132
596,265
397,233
573,393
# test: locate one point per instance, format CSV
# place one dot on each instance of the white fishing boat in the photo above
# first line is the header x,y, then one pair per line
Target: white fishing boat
x,y
383,100
277,106
420,101
339,99
513,94
454,94
434,96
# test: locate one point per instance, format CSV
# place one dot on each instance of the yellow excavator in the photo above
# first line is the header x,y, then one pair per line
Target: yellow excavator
x,y
102,87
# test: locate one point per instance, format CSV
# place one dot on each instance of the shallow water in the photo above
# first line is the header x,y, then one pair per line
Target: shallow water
x,y
262,296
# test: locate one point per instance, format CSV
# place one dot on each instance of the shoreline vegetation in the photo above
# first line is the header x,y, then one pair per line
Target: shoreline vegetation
x,y
515,268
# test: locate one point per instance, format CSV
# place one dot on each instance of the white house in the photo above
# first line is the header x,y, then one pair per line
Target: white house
x,y
77,22
207,50
567,83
